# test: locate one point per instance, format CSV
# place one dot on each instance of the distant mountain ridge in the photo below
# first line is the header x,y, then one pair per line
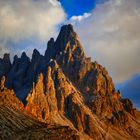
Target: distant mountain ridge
x,y
65,88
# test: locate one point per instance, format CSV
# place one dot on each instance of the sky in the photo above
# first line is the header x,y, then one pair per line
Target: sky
x,y
108,29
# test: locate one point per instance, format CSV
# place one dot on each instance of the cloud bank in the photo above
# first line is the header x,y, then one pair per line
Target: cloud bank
x,y
30,21
112,36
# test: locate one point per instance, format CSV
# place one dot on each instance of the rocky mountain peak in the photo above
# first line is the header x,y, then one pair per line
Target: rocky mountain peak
x,y
5,64
6,57
67,89
50,43
68,42
35,54
67,31
15,59
24,59
51,51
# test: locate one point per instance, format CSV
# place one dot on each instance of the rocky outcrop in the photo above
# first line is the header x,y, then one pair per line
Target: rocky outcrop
x,y
36,100
51,51
23,73
17,77
17,124
8,98
2,84
70,54
5,65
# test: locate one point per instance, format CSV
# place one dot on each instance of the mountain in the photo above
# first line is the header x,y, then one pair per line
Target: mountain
x,y
62,95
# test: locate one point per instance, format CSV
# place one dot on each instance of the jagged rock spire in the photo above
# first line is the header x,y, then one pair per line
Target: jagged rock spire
x,y
67,46
6,57
66,34
35,54
5,64
24,57
50,52
68,40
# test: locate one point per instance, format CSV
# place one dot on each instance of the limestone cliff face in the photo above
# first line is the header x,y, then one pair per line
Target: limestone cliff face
x,y
66,88
91,79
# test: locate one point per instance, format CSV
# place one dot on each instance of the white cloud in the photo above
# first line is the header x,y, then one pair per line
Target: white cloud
x,y
79,18
111,35
27,20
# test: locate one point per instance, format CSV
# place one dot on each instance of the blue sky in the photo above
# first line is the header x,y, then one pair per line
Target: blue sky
x,y
108,29
77,7
131,89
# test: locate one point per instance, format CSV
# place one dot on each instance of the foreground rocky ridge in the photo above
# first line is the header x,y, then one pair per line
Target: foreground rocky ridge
x,y
17,124
66,88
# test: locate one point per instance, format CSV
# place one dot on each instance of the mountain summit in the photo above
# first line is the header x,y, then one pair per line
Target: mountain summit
x,y
62,95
